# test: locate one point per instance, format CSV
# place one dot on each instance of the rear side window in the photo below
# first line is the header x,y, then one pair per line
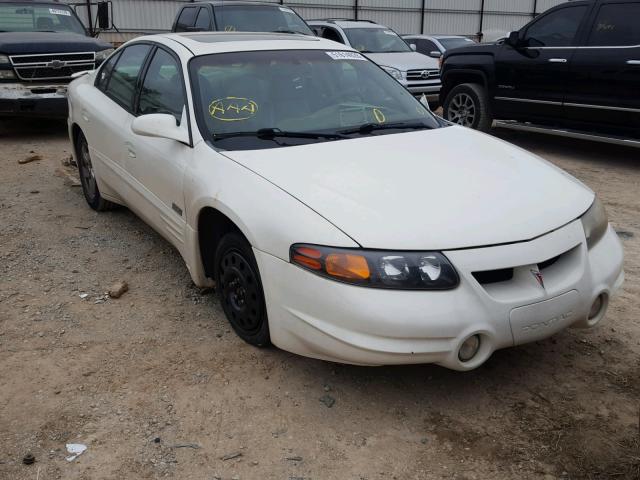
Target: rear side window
x,y
616,25
122,85
203,22
557,29
186,19
424,46
105,72
162,90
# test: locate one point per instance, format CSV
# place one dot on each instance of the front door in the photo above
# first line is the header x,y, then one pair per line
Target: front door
x,y
531,80
604,87
156,165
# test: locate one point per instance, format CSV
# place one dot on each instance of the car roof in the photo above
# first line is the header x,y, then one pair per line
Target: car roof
x,y
232,2
348,23
204,43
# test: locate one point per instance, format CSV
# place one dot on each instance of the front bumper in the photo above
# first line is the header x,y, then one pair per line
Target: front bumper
x,y
36,100
319,318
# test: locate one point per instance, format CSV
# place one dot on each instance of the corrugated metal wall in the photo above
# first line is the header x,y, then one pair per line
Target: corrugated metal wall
x,y
460,17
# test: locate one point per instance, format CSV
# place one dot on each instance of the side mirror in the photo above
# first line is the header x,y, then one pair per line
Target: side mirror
x,y
435,54
414,47
513,40
162,125
104,16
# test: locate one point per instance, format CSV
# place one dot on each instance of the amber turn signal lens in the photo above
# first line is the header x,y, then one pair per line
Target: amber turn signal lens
x,y
311,263
346,266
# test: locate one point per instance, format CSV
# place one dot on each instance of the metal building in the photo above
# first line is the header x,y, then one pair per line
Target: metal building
x,y
491,18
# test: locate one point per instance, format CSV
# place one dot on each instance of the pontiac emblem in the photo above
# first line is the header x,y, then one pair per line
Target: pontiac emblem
x,y
538,276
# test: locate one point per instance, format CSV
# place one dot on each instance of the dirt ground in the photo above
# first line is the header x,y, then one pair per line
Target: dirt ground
x,y
157,386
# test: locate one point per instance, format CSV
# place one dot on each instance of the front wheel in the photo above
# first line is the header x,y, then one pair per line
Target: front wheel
x,y
468,105
240,291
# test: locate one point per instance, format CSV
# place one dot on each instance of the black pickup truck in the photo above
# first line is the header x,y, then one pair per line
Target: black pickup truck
x,y
573,71
42,44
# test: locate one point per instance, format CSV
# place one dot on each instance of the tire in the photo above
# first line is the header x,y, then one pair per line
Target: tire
x,y
468,105
88,177
240,290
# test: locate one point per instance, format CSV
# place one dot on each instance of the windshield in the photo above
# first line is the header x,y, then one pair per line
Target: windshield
x,y
376,40
449,43
27,17
259,18
301,91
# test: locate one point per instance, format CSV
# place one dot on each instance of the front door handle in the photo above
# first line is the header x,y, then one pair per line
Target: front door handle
x,y
557,60
633,62
130,151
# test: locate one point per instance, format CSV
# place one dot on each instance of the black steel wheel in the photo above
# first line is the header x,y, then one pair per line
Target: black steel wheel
x,y
88,177
240,291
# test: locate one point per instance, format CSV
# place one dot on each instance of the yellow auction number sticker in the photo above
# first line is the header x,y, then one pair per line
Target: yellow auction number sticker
x,y
233,109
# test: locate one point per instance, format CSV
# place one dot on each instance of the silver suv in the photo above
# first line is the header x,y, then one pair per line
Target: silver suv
x,y
418,73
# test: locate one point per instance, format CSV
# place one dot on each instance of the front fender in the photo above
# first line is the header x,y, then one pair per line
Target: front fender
x,y
270,218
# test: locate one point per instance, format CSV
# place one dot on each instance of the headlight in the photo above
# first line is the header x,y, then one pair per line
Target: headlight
x,y
4,59
595,223
102,55
395,73
7,75
378,269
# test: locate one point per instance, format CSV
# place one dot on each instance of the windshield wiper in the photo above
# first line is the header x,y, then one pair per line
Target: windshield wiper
x,y
271,133
296,32
371,127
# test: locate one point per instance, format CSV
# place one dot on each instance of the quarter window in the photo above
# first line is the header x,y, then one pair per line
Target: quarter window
x,y
203,22
122,85
162,90
186,19
616,25
105,72
557,29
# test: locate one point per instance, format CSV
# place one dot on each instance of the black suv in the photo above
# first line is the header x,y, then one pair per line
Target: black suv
x,y
235,16
573,71
42,45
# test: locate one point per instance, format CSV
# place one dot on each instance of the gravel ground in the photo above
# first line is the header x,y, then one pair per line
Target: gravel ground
x,y
157,386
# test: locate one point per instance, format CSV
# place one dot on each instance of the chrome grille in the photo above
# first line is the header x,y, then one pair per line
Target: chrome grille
x,y
422,75
54,66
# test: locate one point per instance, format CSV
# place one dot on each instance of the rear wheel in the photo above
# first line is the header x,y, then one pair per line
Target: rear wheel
x,y
240,290
88,177
468,105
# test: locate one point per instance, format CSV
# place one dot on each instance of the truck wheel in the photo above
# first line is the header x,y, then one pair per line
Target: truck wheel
x,y
88,177
468,105
240,290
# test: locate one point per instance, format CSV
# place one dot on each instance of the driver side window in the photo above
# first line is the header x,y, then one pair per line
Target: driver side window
x,y
557,29
162,90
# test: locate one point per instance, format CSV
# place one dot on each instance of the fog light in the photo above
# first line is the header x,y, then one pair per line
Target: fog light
x,y
596,307
469,348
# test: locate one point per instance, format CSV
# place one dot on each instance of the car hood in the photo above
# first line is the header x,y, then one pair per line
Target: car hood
x,y
404,60
18,43
442,189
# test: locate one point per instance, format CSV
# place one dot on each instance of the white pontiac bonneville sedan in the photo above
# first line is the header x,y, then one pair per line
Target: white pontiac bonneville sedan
x,y
337,217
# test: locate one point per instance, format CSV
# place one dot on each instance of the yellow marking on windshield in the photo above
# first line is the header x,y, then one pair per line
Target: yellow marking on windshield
x,y
380,118
233,109
230,28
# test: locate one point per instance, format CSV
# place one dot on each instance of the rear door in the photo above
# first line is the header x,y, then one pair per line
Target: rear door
x,y
531,80
604,87
111,114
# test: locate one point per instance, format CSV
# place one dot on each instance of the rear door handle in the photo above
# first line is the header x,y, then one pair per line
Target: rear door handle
x,y
633,62
558,60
